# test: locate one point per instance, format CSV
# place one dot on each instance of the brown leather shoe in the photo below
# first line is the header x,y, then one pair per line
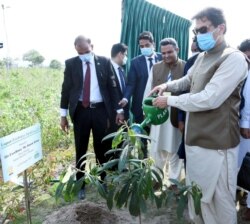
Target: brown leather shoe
x,y
246,215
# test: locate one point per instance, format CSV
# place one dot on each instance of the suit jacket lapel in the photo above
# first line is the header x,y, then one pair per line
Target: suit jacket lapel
x,y
98,69
79,68
144,65
156,58
116,79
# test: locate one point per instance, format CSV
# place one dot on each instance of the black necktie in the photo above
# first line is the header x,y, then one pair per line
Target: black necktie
x,y
121,75
150,63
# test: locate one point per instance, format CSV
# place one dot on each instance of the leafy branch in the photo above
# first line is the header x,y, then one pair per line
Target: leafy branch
x,y
130,180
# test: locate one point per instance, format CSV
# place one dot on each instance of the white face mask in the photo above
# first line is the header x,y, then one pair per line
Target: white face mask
x,y
206,41
147,51
86,57
124,61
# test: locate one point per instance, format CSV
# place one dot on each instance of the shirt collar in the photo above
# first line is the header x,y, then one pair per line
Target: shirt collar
x,y
152,56
115,65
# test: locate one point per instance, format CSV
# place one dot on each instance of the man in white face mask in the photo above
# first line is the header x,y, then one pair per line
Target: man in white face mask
x,y
212,134
140,67
119,58
90,95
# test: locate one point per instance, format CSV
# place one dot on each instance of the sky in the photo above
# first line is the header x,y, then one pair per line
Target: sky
x,y
50,26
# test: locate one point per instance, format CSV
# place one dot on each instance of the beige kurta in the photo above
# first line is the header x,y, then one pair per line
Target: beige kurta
x,y
165,141
165,137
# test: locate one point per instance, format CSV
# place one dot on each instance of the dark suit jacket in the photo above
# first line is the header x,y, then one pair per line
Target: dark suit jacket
x,y
120,93
73,84
136,84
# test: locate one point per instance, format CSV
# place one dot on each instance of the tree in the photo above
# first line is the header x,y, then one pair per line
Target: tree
x,y
8,62
55,64
34,57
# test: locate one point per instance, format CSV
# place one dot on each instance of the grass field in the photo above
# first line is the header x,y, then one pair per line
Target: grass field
x,y
29,96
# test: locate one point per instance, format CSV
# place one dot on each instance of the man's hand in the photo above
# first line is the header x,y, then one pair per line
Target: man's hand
x,y
123,103
119,118
245,132
158,89
160,102
64,124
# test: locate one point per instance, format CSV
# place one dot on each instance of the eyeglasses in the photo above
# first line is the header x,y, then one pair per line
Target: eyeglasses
x,y
202,30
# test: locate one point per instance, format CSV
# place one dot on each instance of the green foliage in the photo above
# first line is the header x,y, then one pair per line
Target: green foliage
x,y
130,179
55,64
34,57
7,62
29,96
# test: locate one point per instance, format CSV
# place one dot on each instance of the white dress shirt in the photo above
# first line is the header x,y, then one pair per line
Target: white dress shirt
x,y
95,94
116,67
148,62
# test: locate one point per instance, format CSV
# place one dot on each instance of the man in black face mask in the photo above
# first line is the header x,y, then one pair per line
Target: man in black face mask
x,y
90,93
212,135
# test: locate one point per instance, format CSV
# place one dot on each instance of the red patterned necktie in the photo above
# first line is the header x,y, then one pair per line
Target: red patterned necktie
x,y
86,87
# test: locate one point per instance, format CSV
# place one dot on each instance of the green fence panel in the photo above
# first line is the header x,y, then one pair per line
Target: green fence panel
x,y
140,15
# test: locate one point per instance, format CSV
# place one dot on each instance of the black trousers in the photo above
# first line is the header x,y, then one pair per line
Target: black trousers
x,y
85,121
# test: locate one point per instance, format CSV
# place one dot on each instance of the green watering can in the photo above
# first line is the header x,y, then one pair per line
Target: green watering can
x,y
154,115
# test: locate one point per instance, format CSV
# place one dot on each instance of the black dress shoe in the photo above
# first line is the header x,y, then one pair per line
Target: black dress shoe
x,y
243,199
81,194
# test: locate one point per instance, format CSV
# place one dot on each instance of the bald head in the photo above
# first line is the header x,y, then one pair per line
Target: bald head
x,y
82,44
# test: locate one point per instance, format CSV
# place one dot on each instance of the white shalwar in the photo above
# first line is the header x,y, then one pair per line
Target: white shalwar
x,y
164,146
215,171
166,140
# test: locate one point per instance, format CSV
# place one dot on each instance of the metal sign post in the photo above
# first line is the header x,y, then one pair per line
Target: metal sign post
x,y
27,196
19,151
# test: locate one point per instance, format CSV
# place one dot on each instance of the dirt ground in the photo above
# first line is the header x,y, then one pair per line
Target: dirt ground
x,y
87,212
93,210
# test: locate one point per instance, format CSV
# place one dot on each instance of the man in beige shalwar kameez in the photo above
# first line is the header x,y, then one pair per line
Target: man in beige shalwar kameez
x,y
212,135
166,137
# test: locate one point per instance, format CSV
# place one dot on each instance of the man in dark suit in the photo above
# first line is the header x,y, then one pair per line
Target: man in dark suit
x,y
138,76
119,60
89,92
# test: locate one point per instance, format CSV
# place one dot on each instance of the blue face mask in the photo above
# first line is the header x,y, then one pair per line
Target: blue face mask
x,y
147,51
86,57
206,41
